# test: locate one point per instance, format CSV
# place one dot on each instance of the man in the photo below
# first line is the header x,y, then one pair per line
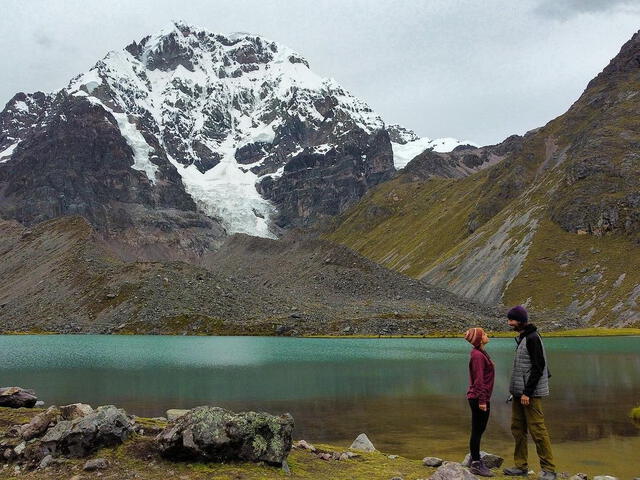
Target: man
x,y
529,383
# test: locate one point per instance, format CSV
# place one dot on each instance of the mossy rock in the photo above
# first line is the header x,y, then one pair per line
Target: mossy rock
x,y
216,434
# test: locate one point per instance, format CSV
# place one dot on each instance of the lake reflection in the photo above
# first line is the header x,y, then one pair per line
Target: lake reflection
x,y
407,394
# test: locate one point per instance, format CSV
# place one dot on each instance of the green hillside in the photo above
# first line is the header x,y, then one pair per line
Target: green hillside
x,y
555,225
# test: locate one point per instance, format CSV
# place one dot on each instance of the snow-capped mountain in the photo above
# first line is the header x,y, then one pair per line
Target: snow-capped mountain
x,y
235,127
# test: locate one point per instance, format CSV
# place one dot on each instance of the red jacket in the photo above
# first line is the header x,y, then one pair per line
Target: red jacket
x,y
481,376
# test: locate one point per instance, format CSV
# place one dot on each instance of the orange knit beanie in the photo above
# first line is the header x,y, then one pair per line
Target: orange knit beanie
x,y
474,336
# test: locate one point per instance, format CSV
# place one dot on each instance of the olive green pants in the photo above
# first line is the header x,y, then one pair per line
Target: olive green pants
x,y
530,419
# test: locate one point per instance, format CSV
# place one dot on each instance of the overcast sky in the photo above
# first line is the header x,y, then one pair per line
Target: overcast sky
x,y
475,70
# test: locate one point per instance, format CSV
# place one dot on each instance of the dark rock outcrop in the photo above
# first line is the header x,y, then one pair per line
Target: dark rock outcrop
x,y
16,397
317,185
215,434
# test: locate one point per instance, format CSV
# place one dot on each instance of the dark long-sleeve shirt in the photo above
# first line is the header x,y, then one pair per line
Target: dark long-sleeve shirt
x,y
481,376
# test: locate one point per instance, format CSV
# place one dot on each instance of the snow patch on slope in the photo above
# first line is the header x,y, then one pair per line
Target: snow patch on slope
x,y
21,106
141,149
5,155
404,153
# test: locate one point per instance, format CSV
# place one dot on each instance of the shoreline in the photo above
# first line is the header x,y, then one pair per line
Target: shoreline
x,y
573,333
138,457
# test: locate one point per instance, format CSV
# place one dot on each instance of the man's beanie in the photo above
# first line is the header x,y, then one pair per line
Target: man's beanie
x,y
519,314
474,336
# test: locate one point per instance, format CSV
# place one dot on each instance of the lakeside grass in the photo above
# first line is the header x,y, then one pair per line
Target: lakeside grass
x,y
580,332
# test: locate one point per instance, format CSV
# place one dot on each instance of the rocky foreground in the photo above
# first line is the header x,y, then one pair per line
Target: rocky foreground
x,y
78,442
125,447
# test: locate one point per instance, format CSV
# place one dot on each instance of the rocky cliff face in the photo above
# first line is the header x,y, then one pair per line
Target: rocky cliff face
x,y
554,225
67,156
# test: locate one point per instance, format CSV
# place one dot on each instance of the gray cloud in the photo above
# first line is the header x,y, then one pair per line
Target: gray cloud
x,y
478,71
43,39
566,9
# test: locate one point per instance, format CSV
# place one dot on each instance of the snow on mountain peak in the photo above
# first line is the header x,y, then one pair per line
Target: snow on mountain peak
x,y
205,96
230,111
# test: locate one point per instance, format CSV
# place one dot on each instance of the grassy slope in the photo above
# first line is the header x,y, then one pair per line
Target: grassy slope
x,y
415,227
420,222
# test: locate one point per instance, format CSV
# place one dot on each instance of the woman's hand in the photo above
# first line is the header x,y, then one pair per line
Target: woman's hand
x,y
524,400
483,407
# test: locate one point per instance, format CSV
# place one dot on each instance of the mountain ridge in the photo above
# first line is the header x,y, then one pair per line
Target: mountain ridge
x,y
550,226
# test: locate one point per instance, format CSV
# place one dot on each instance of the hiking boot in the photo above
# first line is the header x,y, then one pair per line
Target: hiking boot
x,y
516,472
478,467
544,475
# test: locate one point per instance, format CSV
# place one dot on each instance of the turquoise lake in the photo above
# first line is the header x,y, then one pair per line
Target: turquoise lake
x,y
408,395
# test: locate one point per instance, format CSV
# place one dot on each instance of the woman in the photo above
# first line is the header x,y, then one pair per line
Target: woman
x,y
481,376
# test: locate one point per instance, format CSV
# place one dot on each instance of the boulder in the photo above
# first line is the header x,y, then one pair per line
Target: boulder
x,y
304,445
39,424
431,461
604,477
489,459
20,448
215,434
95,464
16,397
175,413
580,476
106,426
45,462
8,454
452,471
75,410
362,444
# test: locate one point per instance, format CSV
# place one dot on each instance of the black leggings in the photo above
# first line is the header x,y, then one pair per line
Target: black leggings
x,y
479,421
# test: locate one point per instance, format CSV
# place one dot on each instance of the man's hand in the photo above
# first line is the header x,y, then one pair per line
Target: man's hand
x,y
524,400
483,407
